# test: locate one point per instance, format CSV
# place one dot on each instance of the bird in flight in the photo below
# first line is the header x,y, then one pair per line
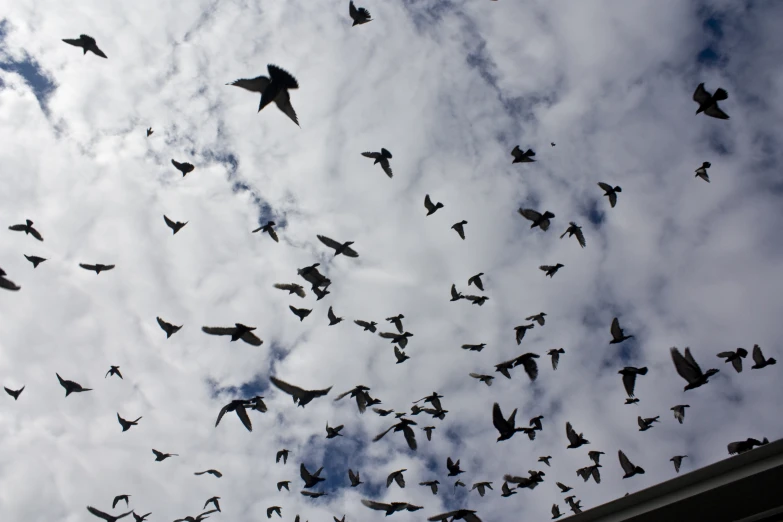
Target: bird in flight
x,y
35,260
506,427
169,328
359,15
282,454
679,411
610,192
354,478
759,360
198,518
149,132
292,288
575,230
486,379
97,268
70,386
212,472
310,479
629,468
646,424
237,406
7,283
332,432
87,43
333,319
175,226
677,460
689,370
550,270
269,230
273,88
185,168
238,331
397,322
575,439
735,358
537,218
555,354
27,228
368,326
126,424
701,172
618,335
339,248
467,515
14,393
381,157
459,228
708,103
105,516
301,397
160,456
301,313
522,156
391,508
214,501
629,374
431,208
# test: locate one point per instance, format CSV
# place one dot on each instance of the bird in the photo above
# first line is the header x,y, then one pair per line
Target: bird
x,y
396,476
476,280
631,401
105,516
354,478
467,515
368,326
430,206
455,295
535,422
198,518
27,228
333,432
522,157
87,43
538,219
701,172
273,88
539,318
400,355
310,479
708,103
453,467
7,283
301,397
35,260
118,498
575,230
149,132
140,518
273,509
160,456
175,226
556,512
70,386
213,501
339,248
268,228
404,425
282,454
595,456
735,358
126,424
555,354
428,431
742,446
237,406
575,507
481,487
477,299
400,339
504,367
114,370
486,379
459,228
283,484
169,328
339,519
359,15
521,330
434,399
629,468
238,331
363,398
432,484
646,423
550,270
333,319
459,483
213,472
563,487
97,268
575,439
528,361
590,471
381,157
629,374
474,347
301,313
618,335
506,427
679,411
390,508
14,393
185,168
506,491
610,192
759,360
677,460
397,321
689,370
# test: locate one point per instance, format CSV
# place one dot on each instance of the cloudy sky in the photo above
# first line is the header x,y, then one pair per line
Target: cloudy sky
x,y
449,87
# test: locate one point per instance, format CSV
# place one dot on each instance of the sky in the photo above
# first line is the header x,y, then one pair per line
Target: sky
x,y
449,88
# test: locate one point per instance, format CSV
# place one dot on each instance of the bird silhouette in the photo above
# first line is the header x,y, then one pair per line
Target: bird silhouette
x,y
238,331
629,468
459,228
368,326
105,516
474,347
486,379
430,206
551,270
149,132
140,518
453,467
539,318
397,322
735,448
610,192
333,432
476,280
455,295
521,330
237,406
70,386
35,260
460,514
595,456
14,393
689,370
282,454
185,168
545,460
87,43
310,479
212,472
528,361
175,226
97,268
396,476
118,498
301,313
301,397
114,370
198,518
283,484
160,456
701,172
354,478
506,427
575,439
563,487
618,335
269,229
383,158
126,424
759,360
522,157
677,460
213,501
273,509
169,328
537,219
27,228
404,426
481,487
333,319
629,374
646,423
273,88
735,358
575,230
7,283
708,103
679,411
339,248
506,491
391,508
555,354
556,512
359,15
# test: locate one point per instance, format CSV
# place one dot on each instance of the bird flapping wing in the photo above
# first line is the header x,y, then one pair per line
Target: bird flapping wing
x,y
529,213
700,95
257,84
290,389
331,243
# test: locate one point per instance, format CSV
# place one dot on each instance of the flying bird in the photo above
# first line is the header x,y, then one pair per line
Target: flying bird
x,y
169,328
381,157
140,518
477,299
184,168
629,374
550,270
149,132
556,512
35,260
759,360
354,478
735,358
7,283
339,248
679,411
400,339
238,331
272,89
213,472
629,468
618,335
474,347
677,460
282,454
430,206
521,330
701,172
397,322
404,425
27,228
333,432
506,491
595,456
455,296
396,476
273,509
610,192
301,313
476,280
283,484
453,467
359,15
126,424
268,228
528,361
563,487
198,518
555,354
333,319
97,268
590,471
368,326
708,103
538,219
400,355
118,498
14,393
536,423
575,230
689,370
428,431
522,157
237,406
160,456
545,460
481,487
459,228
506,427
301,397
575,439
631,401
310,479
539,318
70,386
175,226
486,379
105,516
461,514
391,508
87,43
646,423
214,501
114,370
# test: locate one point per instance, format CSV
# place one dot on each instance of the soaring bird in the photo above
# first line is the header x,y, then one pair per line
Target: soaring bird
x,y
333,319
381,157
291,288
595,456
545,460
461,514
735,358
313,276
310,479
7,283
369,326
126,424
359,15
35,260
708,103
214,501
563,487
268,228
333,432
535,422
575,230
396,476
140,518
677,460
282,454
283,484
556,512
539,318
237,406
363,398
689,370
428,430
453,467
575,439
629,468
618,335
476,280
430,206
477,299
273,509
160,456
175,226
169,328
521,330
400,355
610,192
455,295
301,313
114,370
87,43
759,360
679,411
538,219
185,168
629,374
742,446
459,228
590,471
70,386
238,331
506,427
354,478
397,322
506,491
504,367
400,339
27,228
118,498
481,487
301,397
486,379
555,354
646,423
97,268
631,401
404,425
701,172
105,516
550,270
391,508
432,484
149,132
474,347
339,248
212,472
528,361
273,89
522,157
14,393
198,518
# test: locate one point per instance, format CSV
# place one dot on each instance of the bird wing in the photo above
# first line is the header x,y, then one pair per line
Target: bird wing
x,y
251,339
629,380
100,514
700,95
386,167
86,266
283,102
612,199
242,414
573,438
624,462
530,214
350,252
36,234
376,505
331,243
94,48
607,187
580,237
428,203
257,84
73,41
290,389
716,112
107,267
373,155
498,420
172,225
691,361
555,359
282,77
758,357
217,330
615,329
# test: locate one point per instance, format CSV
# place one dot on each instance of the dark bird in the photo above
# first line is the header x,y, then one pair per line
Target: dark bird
x,y
539,318
461,514
126,424
631,401
185,168
551,270
575,230
198,518
481,487
575,439
590,471
556,512
433,399
282,454
506,491
333,432
563,487
474,347
521,330
70,386
595,456
428,431
27,228
14,393
477,299
169,328
538,219
459,228
430,206
401,339
384,413
140,518
397,322
97,268
453,467
610,192
535,422
381,157
35,260
354,478
339,248
759,360
213,472
257,403
677,460
175,226
455,296
742,446
522,157
238,331
118,498
333,319
310,479
708,103
618,335
237,406
555,354
390,509
506,427
545,460
504,367
459,483
404,425
486,379
313,276
368,326
273,509
283,484
735,358
214,501
272,89
646,423
301,313
268,228
114,370
359,15
400,355
160,456
301,397
291,288
701,172
679,411
396,476
575,507
87,43
628,467
689,370
476,280
105,516
432,484
629,374
528,361
149,132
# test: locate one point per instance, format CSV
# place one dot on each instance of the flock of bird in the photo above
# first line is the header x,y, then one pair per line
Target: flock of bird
x,y
275,88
